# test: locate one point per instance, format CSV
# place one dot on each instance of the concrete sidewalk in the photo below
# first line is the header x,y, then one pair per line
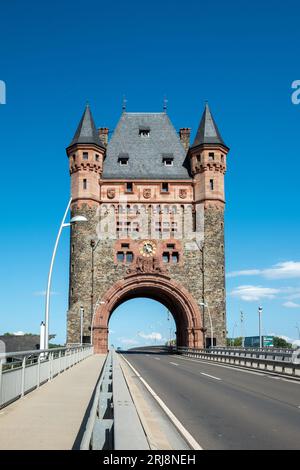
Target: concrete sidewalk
x,y
50,417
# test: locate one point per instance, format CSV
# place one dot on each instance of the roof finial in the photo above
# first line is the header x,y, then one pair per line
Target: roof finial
x,y
87,104
124,104
165,107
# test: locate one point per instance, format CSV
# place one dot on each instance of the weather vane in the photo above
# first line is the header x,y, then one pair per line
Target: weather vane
x,y
124,104
165,105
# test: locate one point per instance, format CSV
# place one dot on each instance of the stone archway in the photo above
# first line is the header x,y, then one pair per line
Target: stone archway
x,y
158,287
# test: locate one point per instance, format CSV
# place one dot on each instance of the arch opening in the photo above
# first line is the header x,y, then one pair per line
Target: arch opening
x,y
161,288
141,322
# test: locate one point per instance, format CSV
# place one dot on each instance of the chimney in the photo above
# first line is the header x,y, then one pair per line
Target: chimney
x,y
103,134
184,134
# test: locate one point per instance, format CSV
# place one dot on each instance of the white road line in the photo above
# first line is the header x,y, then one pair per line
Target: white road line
x,y
174,363
184,432
157,358
239,369
210,363
211,376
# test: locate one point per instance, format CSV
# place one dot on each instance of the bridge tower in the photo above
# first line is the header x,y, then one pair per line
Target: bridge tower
x,y
208,166
155,211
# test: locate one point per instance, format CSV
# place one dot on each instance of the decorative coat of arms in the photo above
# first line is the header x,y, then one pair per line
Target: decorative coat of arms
x,y
146,266
111,193
182,193
147,193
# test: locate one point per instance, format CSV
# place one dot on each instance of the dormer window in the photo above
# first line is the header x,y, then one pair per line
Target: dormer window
x,y
144,132
123,161
168,160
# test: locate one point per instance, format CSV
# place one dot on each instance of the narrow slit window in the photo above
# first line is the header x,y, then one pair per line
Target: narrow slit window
x,y
85,155
96,157
175,257
85,183
129,187
166,257
165,187
174,227
211,184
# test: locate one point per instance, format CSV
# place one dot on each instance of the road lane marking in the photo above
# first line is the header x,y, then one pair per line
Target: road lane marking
x,y
182,430
174,363
211,376
240,369
157,358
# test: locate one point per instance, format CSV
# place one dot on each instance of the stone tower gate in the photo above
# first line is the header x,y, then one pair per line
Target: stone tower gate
x,y
154,206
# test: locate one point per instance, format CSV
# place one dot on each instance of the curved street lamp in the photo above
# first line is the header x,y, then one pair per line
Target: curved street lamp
x,y
74,220
203,304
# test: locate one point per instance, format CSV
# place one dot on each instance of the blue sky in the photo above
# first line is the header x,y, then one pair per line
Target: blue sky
x,y
240,56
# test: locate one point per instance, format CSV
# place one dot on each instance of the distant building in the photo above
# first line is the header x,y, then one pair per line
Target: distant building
x,y
18,343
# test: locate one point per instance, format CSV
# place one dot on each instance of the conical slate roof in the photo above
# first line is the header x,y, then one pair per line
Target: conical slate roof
x,y
86,132
208,132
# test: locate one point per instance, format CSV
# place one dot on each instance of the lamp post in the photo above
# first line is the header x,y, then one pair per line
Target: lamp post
x,y
81,324
211,325
260,309
78,218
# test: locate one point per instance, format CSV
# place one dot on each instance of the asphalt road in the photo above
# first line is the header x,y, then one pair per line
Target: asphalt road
x,y
223,407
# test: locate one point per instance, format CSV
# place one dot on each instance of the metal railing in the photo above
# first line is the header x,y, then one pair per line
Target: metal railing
x,y
24,371
278,362
113,422
260,353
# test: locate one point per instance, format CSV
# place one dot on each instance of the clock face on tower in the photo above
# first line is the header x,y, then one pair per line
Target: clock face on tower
x,y
147,248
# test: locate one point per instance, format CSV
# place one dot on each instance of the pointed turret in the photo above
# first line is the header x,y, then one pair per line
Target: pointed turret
x,y
208,160
86,132
86,154
208,132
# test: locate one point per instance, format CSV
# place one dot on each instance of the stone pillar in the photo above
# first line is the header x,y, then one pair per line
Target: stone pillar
x,y
100,340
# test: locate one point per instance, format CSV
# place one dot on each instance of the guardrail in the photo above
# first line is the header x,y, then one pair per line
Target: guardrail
x,y
280,355
253,359
23,371
113,423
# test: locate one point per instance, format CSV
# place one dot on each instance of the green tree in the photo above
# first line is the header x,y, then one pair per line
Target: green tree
x,y
234,341
281,343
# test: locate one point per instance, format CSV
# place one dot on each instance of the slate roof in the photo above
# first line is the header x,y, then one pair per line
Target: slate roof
x,y
86,132
208,132
145,153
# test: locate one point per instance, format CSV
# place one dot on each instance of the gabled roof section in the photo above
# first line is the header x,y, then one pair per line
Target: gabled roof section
x,y
145,150
86,132
208,132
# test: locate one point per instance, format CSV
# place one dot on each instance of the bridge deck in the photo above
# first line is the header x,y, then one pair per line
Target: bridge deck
x,y
50,417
